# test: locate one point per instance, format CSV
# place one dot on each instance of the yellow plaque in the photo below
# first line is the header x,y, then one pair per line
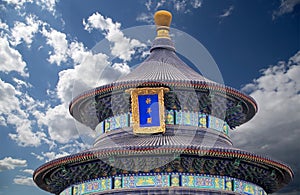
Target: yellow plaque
x,y
148,111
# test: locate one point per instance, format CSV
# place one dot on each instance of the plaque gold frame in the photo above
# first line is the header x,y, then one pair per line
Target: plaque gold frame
x,y
135,92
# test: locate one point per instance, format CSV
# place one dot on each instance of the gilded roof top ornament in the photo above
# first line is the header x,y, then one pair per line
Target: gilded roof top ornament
x,y
162,20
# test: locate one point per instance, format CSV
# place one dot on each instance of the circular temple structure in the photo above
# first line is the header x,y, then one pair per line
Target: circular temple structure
x,y
163,129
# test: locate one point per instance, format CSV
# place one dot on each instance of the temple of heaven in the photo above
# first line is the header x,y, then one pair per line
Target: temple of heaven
x,y
163,129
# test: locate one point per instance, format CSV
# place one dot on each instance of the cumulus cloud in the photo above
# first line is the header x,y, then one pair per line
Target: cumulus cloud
x,y
286,6
13,114
62,150
61,126
25,31
48,5
11,59
122,47
275,130
52,155
84,76
18,4
24,135
8,101
58,41
28,171
22,180
3,25
9,163
37,156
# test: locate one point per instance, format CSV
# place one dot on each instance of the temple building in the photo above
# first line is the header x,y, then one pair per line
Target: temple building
x,y
163,129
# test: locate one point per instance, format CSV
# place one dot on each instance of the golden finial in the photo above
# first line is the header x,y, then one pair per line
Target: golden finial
x,y
162,20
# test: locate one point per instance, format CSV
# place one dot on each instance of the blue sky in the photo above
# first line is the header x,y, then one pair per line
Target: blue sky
x,y
47,56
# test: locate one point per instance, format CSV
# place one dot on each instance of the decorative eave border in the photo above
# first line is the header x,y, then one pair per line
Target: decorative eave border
x,y
187,84
214,152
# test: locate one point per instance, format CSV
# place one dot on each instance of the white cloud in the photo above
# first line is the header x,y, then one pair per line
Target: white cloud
x,y
275,131
196,3
180,5
62,150
12,113
85,74
48,5
18,4
3,26
122,47
39,157
227,12
21,83
52,155
8,100
160,4
145,17
148,4
61,127
25,31
9,163
277,92
24,135
58,41
22,180
11,59
286,6
29,171
121,67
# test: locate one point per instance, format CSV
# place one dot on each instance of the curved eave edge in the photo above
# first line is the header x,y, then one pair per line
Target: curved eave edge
x,y
216,152
188,84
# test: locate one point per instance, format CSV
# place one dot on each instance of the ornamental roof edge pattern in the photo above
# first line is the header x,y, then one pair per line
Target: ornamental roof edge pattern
x,y
195,84
214,152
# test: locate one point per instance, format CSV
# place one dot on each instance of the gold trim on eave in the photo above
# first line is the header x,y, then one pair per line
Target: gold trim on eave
x,y
135,92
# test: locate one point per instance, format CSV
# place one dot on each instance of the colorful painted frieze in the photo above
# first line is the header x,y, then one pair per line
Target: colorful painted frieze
x,y
216,123
202,120
170,117
247,188
118,182
93,186
67,191
175,180
203,182
107,126
179,117
225,128
119,121
228,184
146,181
186,118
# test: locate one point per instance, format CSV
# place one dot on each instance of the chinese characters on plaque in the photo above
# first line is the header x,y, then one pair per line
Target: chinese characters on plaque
x,y
148,110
